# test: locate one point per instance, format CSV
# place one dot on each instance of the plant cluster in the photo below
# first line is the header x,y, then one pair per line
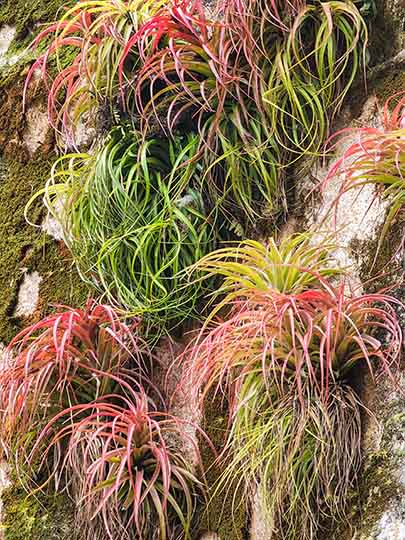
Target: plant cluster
x,y
76,406
282,345
211,111
135,220
284,357
376,157
198,119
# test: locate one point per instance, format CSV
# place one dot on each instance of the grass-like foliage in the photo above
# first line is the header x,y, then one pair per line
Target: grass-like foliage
x,y
284,355
291,265
243,175
68,358
98,32
376,157
304,456
259,84
312,71
129,474
135,219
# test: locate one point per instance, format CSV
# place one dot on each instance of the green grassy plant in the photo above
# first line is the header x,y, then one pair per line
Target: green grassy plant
x,y
244,174
135,219
304,456
290,265
312,71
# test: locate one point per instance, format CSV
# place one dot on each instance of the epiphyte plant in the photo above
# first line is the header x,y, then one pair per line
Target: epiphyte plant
x,y
375,157
284,353
67,358
112,41
77,416
307,83
135,218
131,478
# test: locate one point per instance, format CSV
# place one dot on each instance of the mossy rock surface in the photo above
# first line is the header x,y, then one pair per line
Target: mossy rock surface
x,y
25,249
227,511
36,517
27,15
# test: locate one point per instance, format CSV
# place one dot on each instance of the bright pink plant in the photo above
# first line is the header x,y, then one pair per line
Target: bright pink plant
x,y
284,356
376,157
128,467
314,337
67,358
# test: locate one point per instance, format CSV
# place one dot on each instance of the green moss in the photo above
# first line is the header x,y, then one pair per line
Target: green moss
x,y
25,15
384,84
384,78
379,486
229,521
36,517
389,83
378,265
25,248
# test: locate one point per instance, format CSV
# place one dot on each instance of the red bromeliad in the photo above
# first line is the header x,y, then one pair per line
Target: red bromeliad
x,y
376,158
100,31
130,474
284,356
315,337
68,358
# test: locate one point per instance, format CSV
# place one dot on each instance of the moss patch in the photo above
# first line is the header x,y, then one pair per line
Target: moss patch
x,y
39,517
389,83
380,271
379,486
383,82
24,248
229,521
25,15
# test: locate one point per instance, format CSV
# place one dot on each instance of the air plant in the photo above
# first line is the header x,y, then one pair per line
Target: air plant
x,y
317,335
174,87
291,265
376,158
303,457
99,30
67,358
311,73
244,172
124,47
135,219
276,14
284,356
129,472
188,75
